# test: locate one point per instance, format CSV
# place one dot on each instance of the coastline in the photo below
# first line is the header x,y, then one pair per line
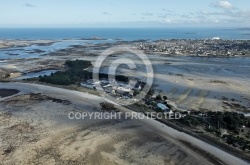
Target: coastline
x,y
16,43
169,47
56,60
203,137
163,130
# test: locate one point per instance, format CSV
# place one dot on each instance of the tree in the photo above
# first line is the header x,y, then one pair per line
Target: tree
x,y
151,92
165,97
158,97
7,75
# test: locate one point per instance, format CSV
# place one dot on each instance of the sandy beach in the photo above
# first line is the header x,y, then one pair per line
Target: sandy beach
x,y
35,122
37,127
125,83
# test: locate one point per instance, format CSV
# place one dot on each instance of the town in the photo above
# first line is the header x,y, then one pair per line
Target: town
x,y
197,47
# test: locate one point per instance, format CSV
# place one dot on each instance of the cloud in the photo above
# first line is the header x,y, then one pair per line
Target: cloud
x,y
147,14
207,13
29,5
239,14
165,15
223,5
235,16
167,10
171,21
185,16
216,21
106,13
168,20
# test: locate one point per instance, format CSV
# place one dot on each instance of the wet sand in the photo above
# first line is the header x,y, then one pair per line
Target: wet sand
x,y
194,83
38,129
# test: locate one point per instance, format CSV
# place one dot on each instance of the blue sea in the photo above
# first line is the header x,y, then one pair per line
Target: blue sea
x,y
109,35
123,33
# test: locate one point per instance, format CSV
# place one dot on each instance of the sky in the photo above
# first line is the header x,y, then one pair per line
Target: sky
x,y
124,13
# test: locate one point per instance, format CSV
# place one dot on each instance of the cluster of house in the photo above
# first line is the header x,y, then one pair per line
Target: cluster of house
x,y
116,88
126,91
206,47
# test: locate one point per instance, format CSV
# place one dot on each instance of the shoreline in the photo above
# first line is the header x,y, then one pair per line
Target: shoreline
x,y
170,47
205,138
155,124
56,56
7,44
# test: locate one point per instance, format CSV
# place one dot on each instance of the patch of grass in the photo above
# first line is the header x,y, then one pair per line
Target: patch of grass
x,y
107,106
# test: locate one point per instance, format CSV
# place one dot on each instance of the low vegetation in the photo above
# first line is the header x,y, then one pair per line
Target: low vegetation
x,y
233,128
105,106
75,73
72,75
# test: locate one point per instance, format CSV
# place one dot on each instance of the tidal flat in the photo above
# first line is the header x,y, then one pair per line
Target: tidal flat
x,y
39,113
